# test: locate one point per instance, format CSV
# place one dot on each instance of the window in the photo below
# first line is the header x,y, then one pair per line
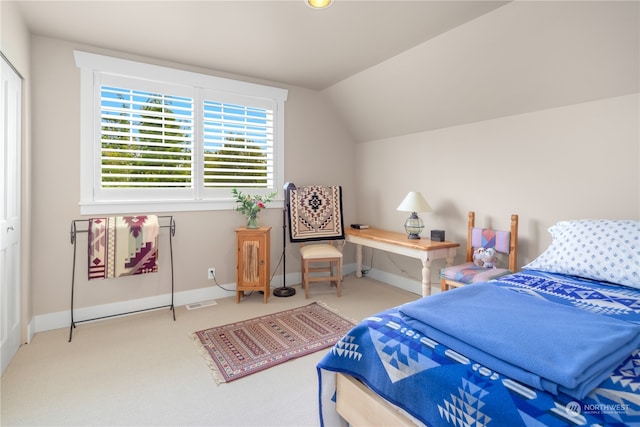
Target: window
x,y
158,139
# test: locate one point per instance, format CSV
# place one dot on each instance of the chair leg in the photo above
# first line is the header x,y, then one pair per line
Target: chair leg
x,y
305,278
334,279
339,275
332,266
443,285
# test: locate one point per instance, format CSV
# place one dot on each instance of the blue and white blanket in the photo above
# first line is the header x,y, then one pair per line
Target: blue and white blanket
x,y
544,345
410,366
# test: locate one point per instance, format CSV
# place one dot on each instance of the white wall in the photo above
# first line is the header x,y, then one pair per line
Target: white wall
x,y
531,109
579,161
563,161
318,151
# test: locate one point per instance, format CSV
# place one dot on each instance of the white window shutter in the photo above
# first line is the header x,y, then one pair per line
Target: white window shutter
x,y
162,139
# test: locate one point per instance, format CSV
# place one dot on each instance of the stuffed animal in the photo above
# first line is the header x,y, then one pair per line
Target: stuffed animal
x,y
485,257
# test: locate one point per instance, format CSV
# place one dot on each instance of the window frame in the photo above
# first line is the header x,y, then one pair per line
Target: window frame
x,y
93,198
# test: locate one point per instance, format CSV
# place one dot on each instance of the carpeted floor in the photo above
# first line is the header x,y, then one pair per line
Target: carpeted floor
x,y
144,370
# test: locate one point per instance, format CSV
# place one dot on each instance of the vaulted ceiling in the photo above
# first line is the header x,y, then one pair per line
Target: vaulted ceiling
x,y
389,67
280,41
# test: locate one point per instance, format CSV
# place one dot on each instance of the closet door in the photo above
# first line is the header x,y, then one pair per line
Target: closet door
x,y
10,123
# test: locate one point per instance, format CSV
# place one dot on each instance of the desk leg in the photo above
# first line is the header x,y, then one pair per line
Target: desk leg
x,y
426,277
450,256
358,261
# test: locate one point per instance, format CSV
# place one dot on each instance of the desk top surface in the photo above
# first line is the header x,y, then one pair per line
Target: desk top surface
x,y
396,238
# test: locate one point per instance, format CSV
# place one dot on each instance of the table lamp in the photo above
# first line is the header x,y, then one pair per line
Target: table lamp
x,y
414,202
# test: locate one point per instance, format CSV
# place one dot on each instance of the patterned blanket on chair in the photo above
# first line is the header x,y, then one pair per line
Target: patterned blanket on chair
x,y
316,213
123,246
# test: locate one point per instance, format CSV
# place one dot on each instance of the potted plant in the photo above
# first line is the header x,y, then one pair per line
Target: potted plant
x,y
250,205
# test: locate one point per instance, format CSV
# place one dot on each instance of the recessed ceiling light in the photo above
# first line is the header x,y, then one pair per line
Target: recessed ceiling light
x,y
319,4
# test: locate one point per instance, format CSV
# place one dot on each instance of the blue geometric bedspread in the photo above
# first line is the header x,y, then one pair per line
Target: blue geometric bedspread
x,y
437,386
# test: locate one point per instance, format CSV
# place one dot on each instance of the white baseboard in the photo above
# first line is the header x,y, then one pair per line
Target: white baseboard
x,y
62,319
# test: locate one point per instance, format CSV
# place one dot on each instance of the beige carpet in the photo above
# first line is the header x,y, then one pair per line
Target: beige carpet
x,y
144,370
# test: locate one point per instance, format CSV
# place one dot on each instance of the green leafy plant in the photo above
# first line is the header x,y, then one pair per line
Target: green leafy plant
x,y
251,205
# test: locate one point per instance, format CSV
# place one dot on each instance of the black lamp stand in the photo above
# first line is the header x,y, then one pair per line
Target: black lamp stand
x,y
285,291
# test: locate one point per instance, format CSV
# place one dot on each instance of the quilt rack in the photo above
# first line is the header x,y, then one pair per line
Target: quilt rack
x,y
171,225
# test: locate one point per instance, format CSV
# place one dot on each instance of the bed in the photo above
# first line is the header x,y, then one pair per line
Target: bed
x,y
556,344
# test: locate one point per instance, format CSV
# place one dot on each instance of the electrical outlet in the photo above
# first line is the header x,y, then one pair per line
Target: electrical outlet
x,y
211,273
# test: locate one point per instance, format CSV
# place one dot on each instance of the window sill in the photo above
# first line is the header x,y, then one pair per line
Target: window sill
x,y
111,207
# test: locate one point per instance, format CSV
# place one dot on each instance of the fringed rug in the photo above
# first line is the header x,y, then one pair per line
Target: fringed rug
x,y
243,348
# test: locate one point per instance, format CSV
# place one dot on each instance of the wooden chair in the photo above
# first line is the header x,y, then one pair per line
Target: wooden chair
x,y
330,258
504,242
315,218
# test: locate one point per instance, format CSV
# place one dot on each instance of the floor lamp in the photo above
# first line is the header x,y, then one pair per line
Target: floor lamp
x,y
285,291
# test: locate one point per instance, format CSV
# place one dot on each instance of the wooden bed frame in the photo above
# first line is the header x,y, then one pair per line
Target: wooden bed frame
x,y
360,406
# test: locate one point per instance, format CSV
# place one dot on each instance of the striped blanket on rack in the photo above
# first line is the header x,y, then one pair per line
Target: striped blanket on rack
x,y
123,246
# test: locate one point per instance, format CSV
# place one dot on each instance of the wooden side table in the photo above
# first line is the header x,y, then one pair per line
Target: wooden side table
x,y
252,261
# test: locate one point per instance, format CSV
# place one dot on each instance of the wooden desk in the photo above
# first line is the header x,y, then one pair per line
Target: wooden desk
x,y
424,249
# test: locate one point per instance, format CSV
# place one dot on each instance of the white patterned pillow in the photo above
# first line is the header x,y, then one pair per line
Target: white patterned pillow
x,y
606,250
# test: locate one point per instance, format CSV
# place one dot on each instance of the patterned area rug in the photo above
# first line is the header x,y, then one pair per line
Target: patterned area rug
x,y
315,213
243,348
